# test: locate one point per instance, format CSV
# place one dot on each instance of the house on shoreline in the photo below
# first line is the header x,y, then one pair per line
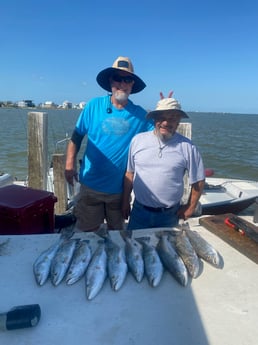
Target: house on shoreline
x,y
45,105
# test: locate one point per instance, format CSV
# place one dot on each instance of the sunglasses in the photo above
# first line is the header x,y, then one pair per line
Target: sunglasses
x,y
168,118
119,78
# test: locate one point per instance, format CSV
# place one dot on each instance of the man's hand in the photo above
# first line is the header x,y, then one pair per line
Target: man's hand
x,y
70,176
185,212
126,209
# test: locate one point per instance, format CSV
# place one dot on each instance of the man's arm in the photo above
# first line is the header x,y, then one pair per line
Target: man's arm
x,y
128,186
187,210
73,148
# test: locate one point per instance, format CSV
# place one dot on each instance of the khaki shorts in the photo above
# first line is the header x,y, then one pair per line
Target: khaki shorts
x,y
93,208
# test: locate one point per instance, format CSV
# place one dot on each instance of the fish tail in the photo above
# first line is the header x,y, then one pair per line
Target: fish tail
x,y
66,234
126,234
102,232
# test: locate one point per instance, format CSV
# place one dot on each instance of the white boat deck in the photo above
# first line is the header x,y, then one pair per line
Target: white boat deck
x,y
219,307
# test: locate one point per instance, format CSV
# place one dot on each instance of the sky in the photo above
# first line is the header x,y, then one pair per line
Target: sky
x,y
205,51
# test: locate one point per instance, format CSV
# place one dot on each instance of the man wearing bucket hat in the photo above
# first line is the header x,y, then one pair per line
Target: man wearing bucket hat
x,y
157,163
109,122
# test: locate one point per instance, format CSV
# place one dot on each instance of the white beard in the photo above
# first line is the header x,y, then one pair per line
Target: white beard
x,y
121,96
163,137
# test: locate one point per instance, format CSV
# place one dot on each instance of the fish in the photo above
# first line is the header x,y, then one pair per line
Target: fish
x,y
62,260
203,249
187,253
79,263
171,260
116,264
42,265
96,272
152,264
3,246
134,258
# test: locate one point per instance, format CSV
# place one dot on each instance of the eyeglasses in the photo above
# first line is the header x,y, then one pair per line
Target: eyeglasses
x,y
119,78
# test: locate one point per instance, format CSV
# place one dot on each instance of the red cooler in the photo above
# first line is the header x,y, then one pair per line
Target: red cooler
x,y
26,210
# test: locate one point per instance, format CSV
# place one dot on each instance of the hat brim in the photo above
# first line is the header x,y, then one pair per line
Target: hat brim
x,y
153,114
104,76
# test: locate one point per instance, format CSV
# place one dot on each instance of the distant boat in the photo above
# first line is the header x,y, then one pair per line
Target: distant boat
x,y
224,195
5,179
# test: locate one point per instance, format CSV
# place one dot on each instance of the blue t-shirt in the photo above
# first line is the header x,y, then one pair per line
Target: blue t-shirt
x,y
108,137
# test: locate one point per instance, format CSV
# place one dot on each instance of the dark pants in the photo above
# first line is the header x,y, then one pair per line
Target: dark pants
x,y
143,217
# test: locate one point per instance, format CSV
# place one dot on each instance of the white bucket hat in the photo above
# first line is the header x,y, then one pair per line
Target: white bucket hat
x,y
168,106
120,64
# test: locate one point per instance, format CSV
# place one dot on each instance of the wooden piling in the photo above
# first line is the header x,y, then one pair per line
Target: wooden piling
x,y
38,161
185,128
60,185
37,150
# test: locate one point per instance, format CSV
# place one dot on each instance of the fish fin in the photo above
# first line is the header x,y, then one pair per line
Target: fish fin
x,y
77,242
102,232
126,234
172,238
3,246
66,233
185,226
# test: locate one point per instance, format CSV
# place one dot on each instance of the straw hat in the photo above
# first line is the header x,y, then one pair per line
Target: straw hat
x,y
168,106
120,64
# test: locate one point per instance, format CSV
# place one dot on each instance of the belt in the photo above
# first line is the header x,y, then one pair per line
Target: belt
x,y
156,209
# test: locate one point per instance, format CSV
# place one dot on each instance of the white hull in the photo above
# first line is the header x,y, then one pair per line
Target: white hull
x,y
223,195
5,180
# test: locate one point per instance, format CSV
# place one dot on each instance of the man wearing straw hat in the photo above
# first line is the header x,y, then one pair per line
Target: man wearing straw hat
x,y
109,122
156,167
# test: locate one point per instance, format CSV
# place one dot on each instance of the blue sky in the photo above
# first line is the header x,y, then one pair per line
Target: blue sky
x,y
206,51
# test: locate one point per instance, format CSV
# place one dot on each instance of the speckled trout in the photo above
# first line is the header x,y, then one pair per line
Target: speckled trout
x,y
186,251
96,272
80,261
203,249
62,260
171,260
134,258
152,264
116,264
41,266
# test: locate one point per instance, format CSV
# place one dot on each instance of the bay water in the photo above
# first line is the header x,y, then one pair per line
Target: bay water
x,y
228,142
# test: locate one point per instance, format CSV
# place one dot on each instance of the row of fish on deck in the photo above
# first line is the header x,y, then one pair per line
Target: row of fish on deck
x,y
178,250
